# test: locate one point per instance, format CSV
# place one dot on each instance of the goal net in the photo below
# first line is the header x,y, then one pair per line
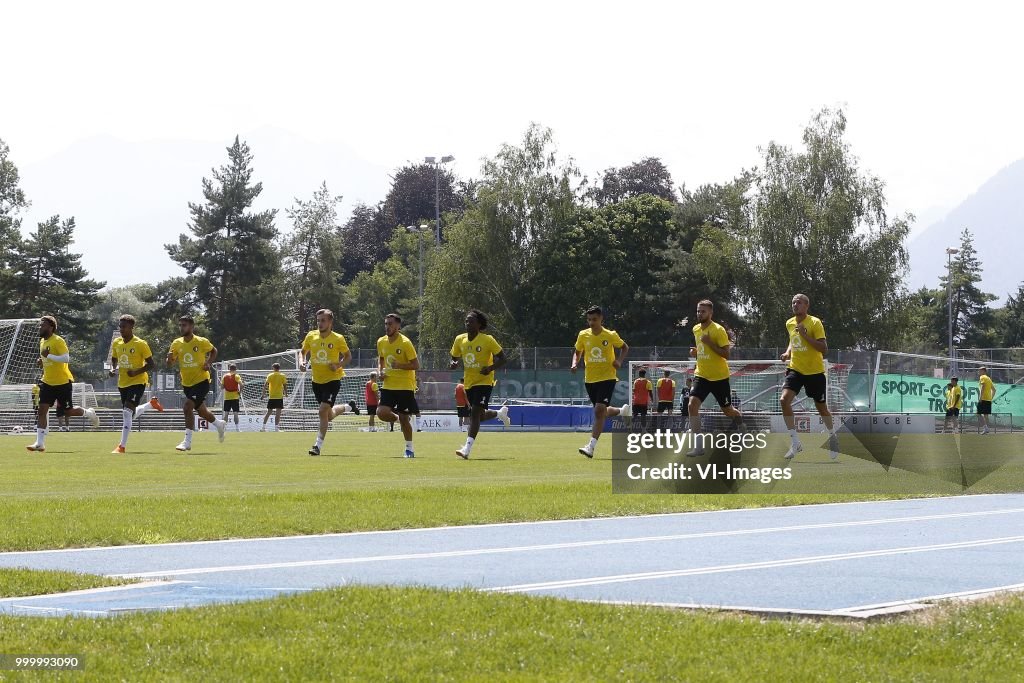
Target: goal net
x,y
914,383
300,404
756,386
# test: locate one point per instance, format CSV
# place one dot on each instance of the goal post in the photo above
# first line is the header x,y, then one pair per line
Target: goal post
x,y
300,403
756,384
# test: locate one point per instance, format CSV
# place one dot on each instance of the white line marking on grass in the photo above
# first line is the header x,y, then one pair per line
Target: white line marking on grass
x,y
551,546
770,564
609,518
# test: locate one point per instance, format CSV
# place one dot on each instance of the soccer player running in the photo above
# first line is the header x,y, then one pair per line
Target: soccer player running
x,y
132,361
56,389
481,355
954,402
372,396
666,393
596,346
988,394
397,364
231,383
194,355
712,349
643,396
328,353
805,360
274,388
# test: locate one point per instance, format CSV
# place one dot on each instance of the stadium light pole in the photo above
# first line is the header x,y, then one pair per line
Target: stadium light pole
x,y
437,192
949,303
419,233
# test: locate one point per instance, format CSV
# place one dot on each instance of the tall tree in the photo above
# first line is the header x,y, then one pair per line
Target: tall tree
x,y
818,225
1012,332
365,241
647,176
413,194
12,202
312,257
237,267
50,278
525,194
973,320
392,285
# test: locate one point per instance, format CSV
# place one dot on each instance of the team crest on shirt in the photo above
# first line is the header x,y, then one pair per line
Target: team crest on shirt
x,y
131,350
398,350
196,349
330,346
478,349
604,343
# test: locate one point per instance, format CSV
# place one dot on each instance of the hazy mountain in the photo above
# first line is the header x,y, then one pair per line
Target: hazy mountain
x,y
131,198
995,214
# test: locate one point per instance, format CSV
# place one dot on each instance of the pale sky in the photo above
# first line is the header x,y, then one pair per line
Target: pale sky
x,y
932,90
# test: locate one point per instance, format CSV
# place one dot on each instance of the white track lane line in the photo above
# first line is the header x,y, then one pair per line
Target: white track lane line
x,y
553,546
771,564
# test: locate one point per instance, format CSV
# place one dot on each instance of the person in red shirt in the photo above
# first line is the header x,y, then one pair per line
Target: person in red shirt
x,y
461,403
372,390
643,395
666,393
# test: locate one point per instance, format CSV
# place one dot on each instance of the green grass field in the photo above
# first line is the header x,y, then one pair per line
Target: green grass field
x,y
77,494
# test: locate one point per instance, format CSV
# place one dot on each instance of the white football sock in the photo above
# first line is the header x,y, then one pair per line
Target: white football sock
x,y
188,437
126,429
319,440
142,409
593,442
40,436
408,445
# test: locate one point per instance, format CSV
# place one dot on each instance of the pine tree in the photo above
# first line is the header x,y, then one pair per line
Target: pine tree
x,y
12,202
236,265
972,317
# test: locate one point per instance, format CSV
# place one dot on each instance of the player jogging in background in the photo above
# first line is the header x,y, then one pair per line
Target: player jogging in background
x,y
132,361
596,347
481,355
987,389
666,393
56,389
274,387
35,395
805,360
954,402
194,355
372,396
327,351
461,404
712,349
397,364
231,383
643,395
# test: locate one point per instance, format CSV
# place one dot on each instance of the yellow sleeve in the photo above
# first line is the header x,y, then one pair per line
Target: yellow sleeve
x,y
146,352
305,344
495,347
206,347
579,343
617,340
174,348
342,344
649,386
59,347
410,351
456,349
819,333
722,337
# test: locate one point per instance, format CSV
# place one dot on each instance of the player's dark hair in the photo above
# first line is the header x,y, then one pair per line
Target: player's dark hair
x,y
127,318
707,302
232,367
187,318
480,317
50,319
393,316
326,311
595,310
276,366
642,373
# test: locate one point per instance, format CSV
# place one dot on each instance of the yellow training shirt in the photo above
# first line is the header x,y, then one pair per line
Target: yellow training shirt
x,y
710,365
400,350
803,358
954,397
988,388
323,350
475,354
597,351
191,357
55,374
276,382
130,355
228,394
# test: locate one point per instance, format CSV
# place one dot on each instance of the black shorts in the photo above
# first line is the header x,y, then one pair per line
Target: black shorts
x,y
275,403
462,411
984,407
371,408
719,388
131,396
664,405
639,410
231,404
327,392
952,412
480,395
400,400
197,392
601,392
813,385
59,396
